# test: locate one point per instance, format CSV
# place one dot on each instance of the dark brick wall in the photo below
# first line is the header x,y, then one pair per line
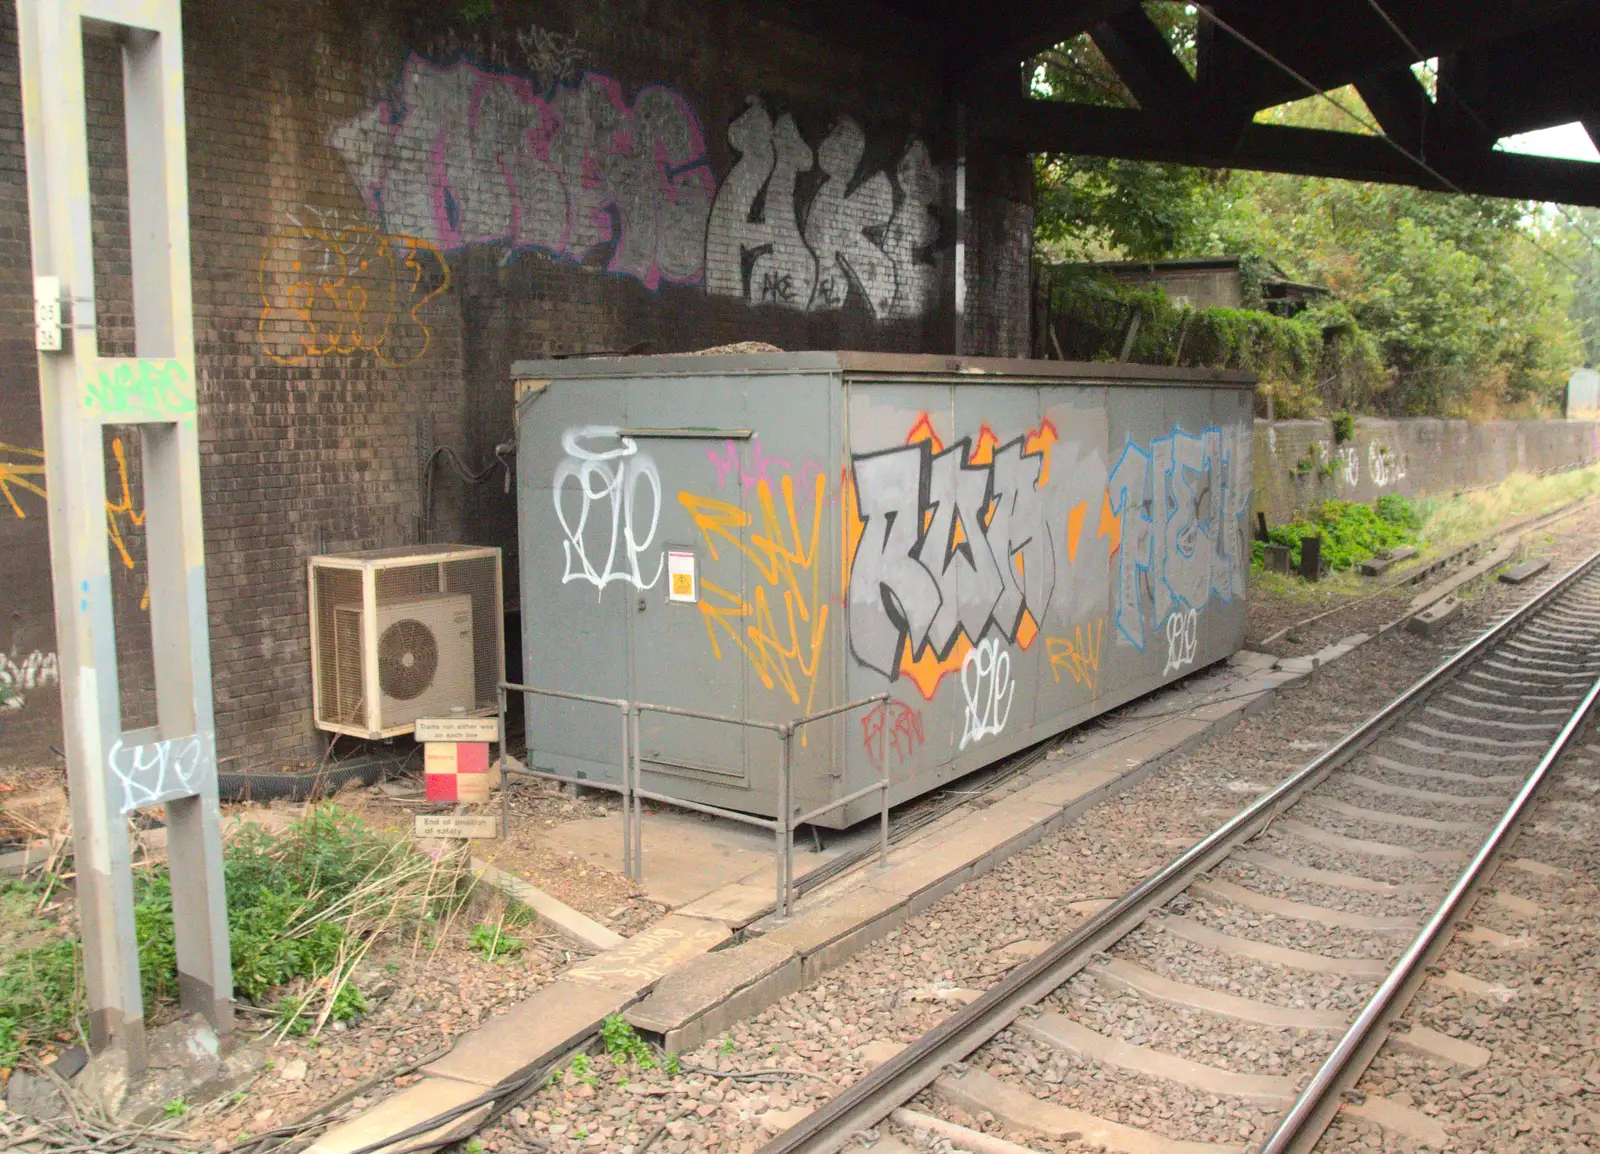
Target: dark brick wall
x,y
390,204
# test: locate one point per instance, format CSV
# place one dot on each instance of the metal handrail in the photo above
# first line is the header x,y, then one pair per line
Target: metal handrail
x,y
867,1101
634,794
1314,1109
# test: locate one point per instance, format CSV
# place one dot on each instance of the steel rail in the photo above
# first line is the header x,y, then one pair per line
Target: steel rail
x,y
1302,1127
870,1099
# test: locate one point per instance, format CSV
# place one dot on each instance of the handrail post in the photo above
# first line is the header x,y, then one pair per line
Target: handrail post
x,y
883,823
505,772
627,796
635,851
785,848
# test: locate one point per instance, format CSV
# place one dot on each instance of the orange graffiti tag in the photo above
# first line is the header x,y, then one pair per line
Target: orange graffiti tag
x,y
14,474
348,290
17,473
1079,654
785,648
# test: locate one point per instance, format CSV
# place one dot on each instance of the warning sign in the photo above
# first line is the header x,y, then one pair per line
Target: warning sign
x,y
456,770
456,825
680,577
458,729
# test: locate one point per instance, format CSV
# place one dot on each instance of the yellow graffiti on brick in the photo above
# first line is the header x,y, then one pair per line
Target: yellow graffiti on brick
x,y
16,473
119,506
1079,654
782,629
327,291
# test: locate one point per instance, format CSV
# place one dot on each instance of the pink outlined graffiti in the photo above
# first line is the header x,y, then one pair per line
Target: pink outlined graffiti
x,y
463,155
892,727
751,465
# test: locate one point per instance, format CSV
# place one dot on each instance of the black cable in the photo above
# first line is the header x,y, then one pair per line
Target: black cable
x,y
461,470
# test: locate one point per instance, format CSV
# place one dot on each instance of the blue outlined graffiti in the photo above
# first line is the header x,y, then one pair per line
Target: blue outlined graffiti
x,y
1183,506
460,155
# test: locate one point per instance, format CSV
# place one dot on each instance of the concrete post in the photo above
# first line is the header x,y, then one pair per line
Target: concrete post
x,y
111,771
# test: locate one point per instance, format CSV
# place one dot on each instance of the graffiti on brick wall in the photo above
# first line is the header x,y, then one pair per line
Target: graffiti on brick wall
x,y
21,673
16,477
611,519
462,155
459,154
1181,509
865,231
782,626
21,471
951,545
327,289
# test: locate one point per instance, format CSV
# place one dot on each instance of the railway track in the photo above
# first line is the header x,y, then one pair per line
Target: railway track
x,y
1228,1001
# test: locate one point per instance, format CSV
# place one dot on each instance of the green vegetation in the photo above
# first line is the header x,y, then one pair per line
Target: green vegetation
x,y
304,906
493,942
1455,305
624,1045
1351,531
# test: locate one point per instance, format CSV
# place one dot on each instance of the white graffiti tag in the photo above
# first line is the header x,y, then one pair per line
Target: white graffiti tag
x,y
864,231
162,770
610,477
986,683
1350,462
1384,465
1183,631
34,671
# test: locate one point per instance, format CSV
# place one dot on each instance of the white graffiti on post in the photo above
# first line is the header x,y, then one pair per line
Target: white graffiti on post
x,y
986,684
1183,635
161,770
1183,507
611,478
856,232
461,155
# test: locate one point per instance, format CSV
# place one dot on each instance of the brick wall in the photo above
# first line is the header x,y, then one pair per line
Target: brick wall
x,y
1418,457
389,204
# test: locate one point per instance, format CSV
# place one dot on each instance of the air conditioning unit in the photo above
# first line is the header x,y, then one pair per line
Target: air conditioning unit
x,y
398,634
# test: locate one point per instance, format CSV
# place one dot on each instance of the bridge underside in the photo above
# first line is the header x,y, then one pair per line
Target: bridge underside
x,y
1504,67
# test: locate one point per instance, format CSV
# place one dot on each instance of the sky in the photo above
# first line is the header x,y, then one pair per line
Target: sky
x,y
1567,141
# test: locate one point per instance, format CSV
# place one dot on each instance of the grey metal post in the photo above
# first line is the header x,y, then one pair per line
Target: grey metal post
x,y
784,834
505,772
625,765
112,772
638,803
883,824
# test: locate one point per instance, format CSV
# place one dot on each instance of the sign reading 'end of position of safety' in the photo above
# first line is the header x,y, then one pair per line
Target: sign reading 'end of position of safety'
x,y
456,770
467,825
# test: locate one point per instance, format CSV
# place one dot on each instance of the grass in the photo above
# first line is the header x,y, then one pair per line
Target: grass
x,y
1462,517
304,908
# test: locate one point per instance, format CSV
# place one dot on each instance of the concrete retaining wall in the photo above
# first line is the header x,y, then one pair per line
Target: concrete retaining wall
x,y
1419,457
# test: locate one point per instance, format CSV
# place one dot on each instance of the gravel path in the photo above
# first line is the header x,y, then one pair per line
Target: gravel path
x,y
1540,1091
823,1037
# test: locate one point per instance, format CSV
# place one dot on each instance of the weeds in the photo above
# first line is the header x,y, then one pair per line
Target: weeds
x,y
1350,531
623,1044
304,908
492,941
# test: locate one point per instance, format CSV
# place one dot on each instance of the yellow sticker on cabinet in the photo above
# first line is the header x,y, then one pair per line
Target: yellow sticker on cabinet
x,y
680,577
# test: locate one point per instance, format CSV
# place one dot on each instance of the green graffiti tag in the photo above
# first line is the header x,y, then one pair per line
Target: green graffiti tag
x,y
139,390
